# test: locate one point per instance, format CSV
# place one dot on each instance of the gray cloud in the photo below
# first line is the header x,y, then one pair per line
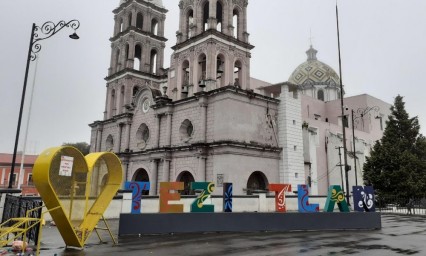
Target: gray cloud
x,y
383,49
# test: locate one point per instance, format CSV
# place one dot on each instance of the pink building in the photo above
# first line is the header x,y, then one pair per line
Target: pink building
x,y
204,118
27,185
322,124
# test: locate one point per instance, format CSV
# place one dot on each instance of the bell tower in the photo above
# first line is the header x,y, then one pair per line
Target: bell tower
x,y
212,49
137,53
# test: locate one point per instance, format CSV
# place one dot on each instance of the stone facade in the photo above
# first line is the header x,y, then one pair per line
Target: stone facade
x,y
205,118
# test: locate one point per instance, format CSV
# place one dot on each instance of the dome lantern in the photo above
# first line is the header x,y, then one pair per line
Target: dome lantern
x,y
312,53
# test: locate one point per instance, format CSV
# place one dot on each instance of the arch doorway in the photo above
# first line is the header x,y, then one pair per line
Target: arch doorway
x,y
256,182
141,175
186,177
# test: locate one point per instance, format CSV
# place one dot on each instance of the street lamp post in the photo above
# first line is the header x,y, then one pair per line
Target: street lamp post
x,y
345,151
361,112
47,30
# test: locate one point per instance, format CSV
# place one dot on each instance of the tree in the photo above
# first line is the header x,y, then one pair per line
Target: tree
x,y
82,146
397,163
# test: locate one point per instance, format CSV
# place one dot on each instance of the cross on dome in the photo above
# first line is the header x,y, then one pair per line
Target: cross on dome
x,y
312,53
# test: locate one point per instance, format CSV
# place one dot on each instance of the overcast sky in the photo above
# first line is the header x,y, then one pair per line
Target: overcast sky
x,y
383,46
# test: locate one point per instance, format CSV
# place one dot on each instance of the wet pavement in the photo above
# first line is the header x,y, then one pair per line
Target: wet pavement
x,y
400,235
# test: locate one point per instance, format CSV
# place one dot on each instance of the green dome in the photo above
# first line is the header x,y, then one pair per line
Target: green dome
x,y
314,72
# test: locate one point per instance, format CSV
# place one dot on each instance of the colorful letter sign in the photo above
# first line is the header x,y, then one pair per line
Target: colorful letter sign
x,y
137,188
336,195
227,197
364,199
303,200
166,196
280,190
197,205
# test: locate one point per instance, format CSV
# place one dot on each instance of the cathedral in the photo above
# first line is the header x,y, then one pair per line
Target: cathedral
x,y
204,118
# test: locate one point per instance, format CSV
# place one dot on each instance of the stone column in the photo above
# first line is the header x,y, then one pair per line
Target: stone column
x,y
131,57
134,16
229,68
166,170
98,139
212,21
154,177
146,57
126,21
160,59
211,66
117,148
127,136
116,26
169,129
203,116
161,26
247,72
225,19
202,167
157,63
243,32
147,22
157,131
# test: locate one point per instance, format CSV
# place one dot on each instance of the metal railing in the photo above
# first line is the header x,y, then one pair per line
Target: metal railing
x,y
401,205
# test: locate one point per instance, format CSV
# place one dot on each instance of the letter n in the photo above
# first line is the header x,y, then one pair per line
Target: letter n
x,y
364,199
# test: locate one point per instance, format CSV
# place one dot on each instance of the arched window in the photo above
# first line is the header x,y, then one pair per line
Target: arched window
x,y
142,136
135,90
256,182
219,16
185,77
186,177
141,175
186,130
201,70
121,25
139,21
220,70
153,62
238,73
109,144
206,11
320,94
154,27
137,62
189,23
235,22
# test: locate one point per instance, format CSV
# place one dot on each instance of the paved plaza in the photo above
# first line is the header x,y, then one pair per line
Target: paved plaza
x,y
400,235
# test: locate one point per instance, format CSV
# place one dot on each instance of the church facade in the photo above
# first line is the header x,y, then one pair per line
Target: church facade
x,y
205,119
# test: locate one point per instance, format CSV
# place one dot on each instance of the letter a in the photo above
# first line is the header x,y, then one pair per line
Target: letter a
x,y
336,195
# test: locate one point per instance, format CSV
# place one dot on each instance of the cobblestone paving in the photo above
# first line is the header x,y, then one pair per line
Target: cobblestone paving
x,y
400,235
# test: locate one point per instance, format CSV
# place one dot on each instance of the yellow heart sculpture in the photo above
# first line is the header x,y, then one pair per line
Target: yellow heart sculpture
x,y
76,189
